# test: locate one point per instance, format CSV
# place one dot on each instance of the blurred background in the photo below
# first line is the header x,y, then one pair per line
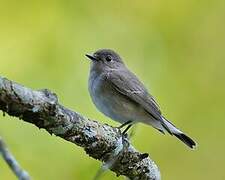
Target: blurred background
x,y
175,47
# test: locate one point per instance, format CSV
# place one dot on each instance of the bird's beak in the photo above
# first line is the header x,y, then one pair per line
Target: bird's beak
x,y
91,57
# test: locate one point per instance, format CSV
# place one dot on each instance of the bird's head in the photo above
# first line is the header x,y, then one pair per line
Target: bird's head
x,y
105,58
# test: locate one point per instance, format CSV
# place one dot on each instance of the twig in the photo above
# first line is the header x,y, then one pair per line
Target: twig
x,y
12,163
98,140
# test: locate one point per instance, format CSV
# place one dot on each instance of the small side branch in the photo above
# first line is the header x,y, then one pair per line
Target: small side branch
x,y
12,163
100,141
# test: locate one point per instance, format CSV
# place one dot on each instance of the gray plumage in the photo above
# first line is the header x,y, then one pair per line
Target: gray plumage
x,y
119,94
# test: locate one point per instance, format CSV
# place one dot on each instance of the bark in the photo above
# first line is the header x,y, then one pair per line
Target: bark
x,y
100,141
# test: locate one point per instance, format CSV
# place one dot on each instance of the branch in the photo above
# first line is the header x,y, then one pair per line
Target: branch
x,y
100,141
11,161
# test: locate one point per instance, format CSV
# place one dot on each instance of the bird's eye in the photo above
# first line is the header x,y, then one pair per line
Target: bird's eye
x,y
108,58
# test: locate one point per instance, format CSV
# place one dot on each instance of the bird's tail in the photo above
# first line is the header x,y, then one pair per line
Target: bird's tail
x,y
179,134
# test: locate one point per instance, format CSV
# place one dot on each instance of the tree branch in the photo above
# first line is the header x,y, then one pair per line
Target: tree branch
x,y
11,161
100,141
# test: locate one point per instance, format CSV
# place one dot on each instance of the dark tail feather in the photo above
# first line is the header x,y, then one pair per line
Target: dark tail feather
x,y
188,141
166,127
178,133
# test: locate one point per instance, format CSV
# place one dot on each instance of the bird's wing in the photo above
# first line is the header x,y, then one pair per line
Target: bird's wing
x,y
126,83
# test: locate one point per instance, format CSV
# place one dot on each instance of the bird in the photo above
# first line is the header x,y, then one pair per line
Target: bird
x,y
120,95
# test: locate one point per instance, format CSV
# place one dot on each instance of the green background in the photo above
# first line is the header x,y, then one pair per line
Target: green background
x,y
176,47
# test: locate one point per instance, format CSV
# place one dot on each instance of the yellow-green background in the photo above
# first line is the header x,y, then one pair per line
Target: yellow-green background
x,y
176,47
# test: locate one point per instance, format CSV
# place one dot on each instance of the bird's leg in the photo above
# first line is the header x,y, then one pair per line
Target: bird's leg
x,y
129,123
127,128
124,124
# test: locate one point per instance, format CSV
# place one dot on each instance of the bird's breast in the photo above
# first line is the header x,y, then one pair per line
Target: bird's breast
x,y
101,94
112,103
